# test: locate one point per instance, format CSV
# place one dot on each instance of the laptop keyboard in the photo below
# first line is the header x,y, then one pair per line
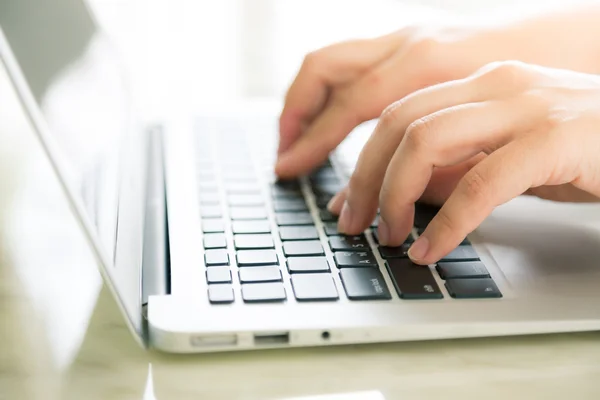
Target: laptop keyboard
x,y
271,241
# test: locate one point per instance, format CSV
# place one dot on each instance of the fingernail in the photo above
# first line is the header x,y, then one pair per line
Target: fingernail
x,y
280,163
419,249
335,203
383,232
345,218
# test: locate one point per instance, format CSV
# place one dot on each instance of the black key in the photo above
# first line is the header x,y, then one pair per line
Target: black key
x,y
330,188
408,240
218,275
326,216
249,258
300,218
247,213
242,188
307,264
351,259
214,241
263,292
348,243
464,253
260,226
260,274
218,294
298,233
288,190
413,281
245,242
364,284
245,200
394,252
479,288
462,270
216,257
424,213
322,199
212,225
303,248
289,205
211,212
314,287
465,242
331,228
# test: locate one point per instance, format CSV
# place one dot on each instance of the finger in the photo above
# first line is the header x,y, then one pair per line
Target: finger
x,y
356,103
323,69
505,174
434,142
366,181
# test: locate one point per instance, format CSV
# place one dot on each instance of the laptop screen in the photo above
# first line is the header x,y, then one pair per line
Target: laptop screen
x,y
76,78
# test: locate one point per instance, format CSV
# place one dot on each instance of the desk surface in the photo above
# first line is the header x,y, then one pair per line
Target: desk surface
x,y
62,337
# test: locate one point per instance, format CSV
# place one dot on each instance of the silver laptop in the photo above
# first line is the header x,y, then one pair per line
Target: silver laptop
x,y
205,250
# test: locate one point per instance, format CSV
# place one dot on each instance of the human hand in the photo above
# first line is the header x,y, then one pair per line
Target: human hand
x,y
513,128
342,85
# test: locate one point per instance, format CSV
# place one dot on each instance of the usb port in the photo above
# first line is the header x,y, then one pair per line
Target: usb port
x,y
271,338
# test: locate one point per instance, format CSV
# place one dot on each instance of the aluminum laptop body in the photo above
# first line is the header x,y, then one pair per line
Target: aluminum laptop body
x,y
204,251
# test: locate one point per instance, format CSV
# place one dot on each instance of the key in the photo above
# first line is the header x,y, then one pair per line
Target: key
x,y
218,275
307,264
322,200
394,252
424,213
208,187
326,216
264,241
314,287
289,190
464,270
303,248
245,200
478,288
249,258
347,259
300,218
289,205
331,228
210,212
298,233
212,225
215,241
260,274
216,257
209,199
464,253
375,234
327,174
348,243
259,226
364,284
263,292
247,213
328,188
218,294
242,188
413,281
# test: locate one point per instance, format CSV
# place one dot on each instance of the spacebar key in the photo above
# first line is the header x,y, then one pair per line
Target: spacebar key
x,y
413,281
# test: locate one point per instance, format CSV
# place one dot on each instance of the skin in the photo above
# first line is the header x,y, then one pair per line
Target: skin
x,y
511,120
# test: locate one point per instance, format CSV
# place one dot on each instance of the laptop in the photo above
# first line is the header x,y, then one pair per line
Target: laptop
x,y
204,250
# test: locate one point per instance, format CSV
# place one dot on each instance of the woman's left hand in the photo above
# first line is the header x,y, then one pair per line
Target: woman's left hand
x,y
473,144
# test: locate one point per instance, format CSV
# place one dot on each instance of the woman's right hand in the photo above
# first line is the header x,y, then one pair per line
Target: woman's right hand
x,y
343,85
